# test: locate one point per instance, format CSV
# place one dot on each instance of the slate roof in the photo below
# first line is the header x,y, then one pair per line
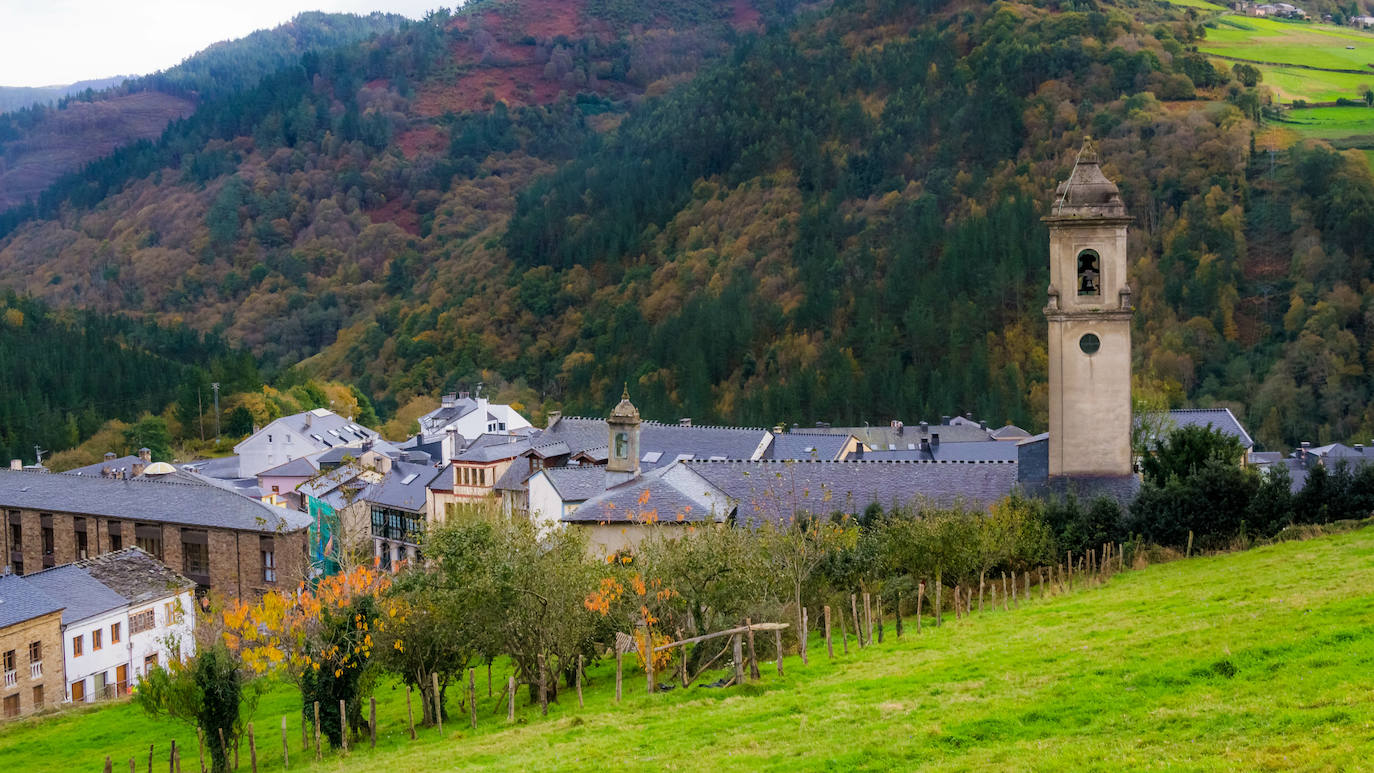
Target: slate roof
x,y
135,575
20,601
404,488
326,428
577,484
776,490
223,467
123,462
808,446
300,467
513,479
448,414
145,499
977,451
669,441
675,494
1220,419
892,438
493,448
1010,432
82,595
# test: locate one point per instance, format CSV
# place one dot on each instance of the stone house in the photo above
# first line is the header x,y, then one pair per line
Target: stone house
x,y
213,536
31,669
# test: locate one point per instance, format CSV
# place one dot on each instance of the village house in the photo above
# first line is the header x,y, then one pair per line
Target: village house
x,y
31,669
460,419
470,479
374,505
297,435
211,535
123,613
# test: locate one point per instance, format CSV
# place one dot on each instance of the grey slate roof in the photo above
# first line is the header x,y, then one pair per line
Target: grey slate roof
x,y
808,446
82,595
20,601
513,479
404,488
977,451
301,467
322,428
1010,432
494,448
135,575
145,499
448,414
892,438
577,484
123,462
669,441
675,494
777,490
223,467
1220,419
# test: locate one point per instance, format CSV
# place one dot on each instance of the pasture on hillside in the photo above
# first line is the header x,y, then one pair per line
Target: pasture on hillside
x,y
1254,660
1277,47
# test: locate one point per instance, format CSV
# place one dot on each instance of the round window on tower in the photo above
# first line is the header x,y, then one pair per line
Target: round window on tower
x,y
1089,343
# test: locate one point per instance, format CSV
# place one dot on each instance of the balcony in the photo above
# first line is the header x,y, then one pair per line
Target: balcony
x,y
11,678
36,670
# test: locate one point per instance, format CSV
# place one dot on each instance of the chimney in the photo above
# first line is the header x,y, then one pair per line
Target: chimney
x,y
983,425
794,426
858,453
463,395
925,445
138,469
1359,448
944,420
684,422
1306,444
110,456
309,417
146,455
448,400
897,425
778,429
106,472
935,440
925,427
16,464
554,416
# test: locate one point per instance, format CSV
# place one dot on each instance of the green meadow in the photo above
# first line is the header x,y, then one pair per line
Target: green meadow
x,y
1282,44
1343,127
1262,660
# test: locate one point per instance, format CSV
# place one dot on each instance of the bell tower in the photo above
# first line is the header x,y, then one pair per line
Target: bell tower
x,y
622,457
1089,314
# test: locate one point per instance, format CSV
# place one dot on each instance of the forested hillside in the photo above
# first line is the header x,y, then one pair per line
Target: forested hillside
x,y
39,143
752,212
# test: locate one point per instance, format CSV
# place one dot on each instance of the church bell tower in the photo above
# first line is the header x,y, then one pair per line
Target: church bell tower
x,y
1089,314
622,457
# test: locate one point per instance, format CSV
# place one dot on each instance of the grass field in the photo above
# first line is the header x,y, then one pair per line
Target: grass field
x,y
1294,43
1252,661
1342,126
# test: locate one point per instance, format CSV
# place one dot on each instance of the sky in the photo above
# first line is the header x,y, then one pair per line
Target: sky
x,y
53,42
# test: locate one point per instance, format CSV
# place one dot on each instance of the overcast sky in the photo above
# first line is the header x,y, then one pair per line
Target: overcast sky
x,y
50,42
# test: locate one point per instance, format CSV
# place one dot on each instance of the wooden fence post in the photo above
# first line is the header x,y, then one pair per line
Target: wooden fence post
x,y
438,703
1006,595
172,757
899,615
510,698
579,680
753,656
739,660
472,696
488,678
1189,554
958,595
777,641
318,753
619,660
133,765
410,714
543,687
109,764
982,581
939,607
343,726
829,645
854,610
868,617
285,748
150,758
252,749
805,638
200,747
372,722
648,658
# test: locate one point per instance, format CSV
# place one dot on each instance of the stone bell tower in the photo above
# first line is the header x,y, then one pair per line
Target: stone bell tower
x,y
1089,314
622,457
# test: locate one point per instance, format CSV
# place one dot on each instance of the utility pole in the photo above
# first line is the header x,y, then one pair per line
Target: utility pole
x,y
38,455
215,386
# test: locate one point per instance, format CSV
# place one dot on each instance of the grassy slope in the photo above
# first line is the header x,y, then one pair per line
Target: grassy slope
x,y
1130,676
1314,45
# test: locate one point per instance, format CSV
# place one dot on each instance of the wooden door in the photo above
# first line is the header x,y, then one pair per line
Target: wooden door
x,y
122,680
79,691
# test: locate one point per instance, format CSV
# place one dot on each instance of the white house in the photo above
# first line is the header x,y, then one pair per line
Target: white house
x,y
292,437
461,418
556,492
125,612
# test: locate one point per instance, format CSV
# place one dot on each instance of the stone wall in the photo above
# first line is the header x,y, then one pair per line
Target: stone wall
x,y
48,630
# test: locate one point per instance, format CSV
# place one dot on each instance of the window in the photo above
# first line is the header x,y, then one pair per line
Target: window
x,y
9,661
79,525
171,612
116,530
150,662
97,639
35,652
76,645
45,524
195,554
148,536
1089,273
16,527
141,621
269,439
114,633
622,445
269,559
1089,343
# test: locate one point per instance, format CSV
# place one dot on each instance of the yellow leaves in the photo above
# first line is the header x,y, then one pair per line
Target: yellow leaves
x,y
399,645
